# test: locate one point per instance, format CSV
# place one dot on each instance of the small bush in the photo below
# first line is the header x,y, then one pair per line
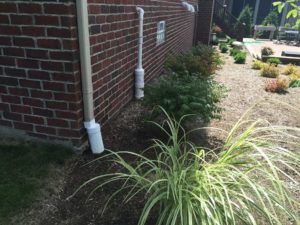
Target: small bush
x,y
280,84
245,17
234,51
269,70
267,51
240,57
223,47
201,60
274,61
289,69
257,65
180,95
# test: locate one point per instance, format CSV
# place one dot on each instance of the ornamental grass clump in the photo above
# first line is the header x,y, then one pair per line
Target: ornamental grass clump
x,y
279,85
257,65
269,70
223,48
289,69
244,181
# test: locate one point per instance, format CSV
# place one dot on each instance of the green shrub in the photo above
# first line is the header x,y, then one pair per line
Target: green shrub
x,y
274,61
240,57
257,65
234,51
223,47
180,95
269,70
243,181
267,51
201,60
245,17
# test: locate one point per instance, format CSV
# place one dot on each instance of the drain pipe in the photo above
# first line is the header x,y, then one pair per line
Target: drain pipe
x,y
139,71
93,128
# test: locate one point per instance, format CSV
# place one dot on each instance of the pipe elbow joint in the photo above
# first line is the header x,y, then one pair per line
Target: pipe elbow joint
x,y
141,12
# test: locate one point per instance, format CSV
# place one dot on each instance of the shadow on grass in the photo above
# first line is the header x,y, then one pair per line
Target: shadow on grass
x,y
24,168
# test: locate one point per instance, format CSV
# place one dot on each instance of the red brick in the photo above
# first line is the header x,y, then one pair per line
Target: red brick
x,y
8,81
12,51
41,94
39,75
36,53
9,30
15,72
34,119
68,133
47,20
54,86
20,109
42,112
5,41
23,126
52,66
65,97
66,115
45,130
57,122
33,102
7,7
18,91
57,105
33,31
59,9
23,42
28,63
21,19
6,123
4,19
30,83
4,107
49,43
12,116
7,61
59,32
30,8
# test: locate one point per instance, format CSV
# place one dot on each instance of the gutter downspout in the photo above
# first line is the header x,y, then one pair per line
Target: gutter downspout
x,y
139,71
93,128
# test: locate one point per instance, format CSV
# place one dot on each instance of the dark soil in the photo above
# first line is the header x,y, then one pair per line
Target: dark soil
x,y
129,132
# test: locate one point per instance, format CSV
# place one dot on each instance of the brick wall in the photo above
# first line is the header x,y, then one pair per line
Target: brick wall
x,y
39,60
114,33
204,21
39,69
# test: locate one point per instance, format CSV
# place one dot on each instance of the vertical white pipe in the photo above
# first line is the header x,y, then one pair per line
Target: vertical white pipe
x,y
93,128
257,3
139,71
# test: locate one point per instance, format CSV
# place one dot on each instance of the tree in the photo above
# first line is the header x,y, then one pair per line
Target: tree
x,y
245,18
294,12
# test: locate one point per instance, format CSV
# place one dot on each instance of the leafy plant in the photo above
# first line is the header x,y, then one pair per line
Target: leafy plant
x,y
289,69
201,60
269,70
294,83
245,17
274,61
280,84
272,18
180,95
257,65
223,47
240,182
293,6
234,51
240,57
267,51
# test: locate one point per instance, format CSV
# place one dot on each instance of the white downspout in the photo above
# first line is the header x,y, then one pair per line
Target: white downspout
x,y
93,128
139,71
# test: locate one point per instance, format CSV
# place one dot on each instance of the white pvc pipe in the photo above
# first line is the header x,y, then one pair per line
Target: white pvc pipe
x,y
139,71
93,128
188,6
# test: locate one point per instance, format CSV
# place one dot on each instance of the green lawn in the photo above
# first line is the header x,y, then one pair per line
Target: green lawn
x,y
23,172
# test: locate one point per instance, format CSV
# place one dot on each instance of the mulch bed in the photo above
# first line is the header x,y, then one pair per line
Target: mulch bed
x,y
129,132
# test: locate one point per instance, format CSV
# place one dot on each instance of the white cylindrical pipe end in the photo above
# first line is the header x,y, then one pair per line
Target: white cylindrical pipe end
x,y
139,83
95,136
